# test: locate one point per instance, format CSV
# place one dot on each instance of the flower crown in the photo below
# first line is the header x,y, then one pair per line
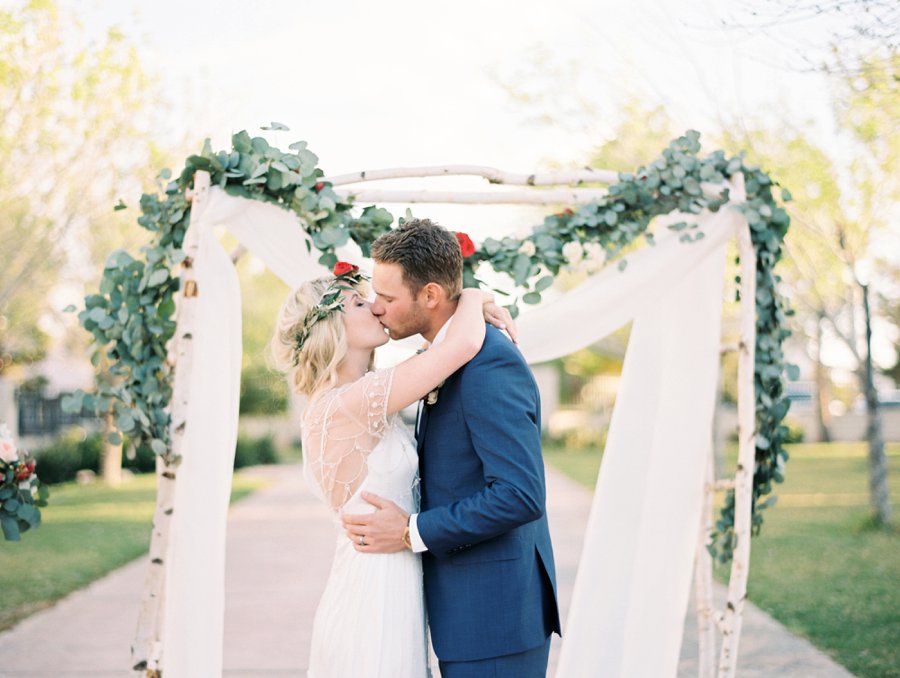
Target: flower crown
x,y
346,276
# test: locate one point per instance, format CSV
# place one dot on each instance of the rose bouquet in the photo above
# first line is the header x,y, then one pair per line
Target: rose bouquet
x,y
21,492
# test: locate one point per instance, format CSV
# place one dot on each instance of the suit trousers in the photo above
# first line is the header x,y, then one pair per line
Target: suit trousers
x,y
528,664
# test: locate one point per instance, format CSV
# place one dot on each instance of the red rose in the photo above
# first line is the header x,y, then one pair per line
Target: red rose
x,y
319,186
342,267
466,245
24,472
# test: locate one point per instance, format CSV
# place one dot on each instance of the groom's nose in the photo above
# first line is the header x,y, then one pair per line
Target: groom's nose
x,y
377,307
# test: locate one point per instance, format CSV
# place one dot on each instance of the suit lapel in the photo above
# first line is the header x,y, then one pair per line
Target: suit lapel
x,y
423,426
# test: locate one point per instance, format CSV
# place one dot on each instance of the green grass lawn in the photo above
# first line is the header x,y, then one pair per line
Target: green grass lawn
x,y
818,567
86,531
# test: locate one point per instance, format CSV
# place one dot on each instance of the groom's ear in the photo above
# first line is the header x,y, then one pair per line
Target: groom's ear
x,y
432,295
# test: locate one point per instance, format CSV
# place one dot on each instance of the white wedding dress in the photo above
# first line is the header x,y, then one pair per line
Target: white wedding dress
x,y
370,622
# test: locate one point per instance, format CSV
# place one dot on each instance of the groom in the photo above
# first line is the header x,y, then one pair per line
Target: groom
x,y
490,585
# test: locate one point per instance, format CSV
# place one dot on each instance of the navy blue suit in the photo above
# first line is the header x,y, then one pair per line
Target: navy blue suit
x,y
490,582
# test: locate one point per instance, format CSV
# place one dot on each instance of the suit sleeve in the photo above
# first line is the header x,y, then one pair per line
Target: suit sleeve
x,y
500,407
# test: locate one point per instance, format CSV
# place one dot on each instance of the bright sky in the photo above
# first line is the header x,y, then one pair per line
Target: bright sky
x,y
404,83
375,84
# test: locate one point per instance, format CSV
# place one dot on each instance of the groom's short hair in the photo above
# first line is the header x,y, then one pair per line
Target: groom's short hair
x,y
426,252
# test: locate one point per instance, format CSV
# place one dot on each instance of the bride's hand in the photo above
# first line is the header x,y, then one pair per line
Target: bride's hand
x,y
499,317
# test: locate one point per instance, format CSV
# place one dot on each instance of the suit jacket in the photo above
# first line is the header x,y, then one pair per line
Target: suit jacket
x,y
490,581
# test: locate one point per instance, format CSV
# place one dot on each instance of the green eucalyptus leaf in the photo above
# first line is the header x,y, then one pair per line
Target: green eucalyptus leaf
x,y
30,514
259,145
521,268
543,283
125,423
328,259
10,528
158,277
241,142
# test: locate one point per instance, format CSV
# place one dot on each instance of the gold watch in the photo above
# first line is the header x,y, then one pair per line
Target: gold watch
x,y
407,541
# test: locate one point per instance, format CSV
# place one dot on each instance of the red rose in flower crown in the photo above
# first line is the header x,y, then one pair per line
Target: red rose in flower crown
x,y
342,267
346,277
319,187
465,244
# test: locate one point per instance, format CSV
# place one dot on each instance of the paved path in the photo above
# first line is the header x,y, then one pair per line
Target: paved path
x,y
279,548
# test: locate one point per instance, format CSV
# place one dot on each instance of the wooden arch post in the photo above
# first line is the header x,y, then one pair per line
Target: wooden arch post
x,y
728,622
147,648
146,652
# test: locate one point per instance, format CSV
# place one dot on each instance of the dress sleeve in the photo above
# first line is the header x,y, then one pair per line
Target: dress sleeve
x,y
340,430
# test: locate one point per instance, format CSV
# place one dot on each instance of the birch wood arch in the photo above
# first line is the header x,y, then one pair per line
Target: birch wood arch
x,y
147,649
131,317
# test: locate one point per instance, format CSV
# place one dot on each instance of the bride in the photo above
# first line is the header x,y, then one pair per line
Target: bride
x,y
371,619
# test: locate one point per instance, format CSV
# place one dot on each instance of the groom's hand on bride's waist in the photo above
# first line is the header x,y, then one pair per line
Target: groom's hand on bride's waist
x,y
378,532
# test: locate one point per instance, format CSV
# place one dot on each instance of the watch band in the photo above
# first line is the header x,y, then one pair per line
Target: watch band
x,y
407,541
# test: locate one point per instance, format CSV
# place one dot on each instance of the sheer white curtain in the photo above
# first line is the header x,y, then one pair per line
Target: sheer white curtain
x,y
633,580
193,624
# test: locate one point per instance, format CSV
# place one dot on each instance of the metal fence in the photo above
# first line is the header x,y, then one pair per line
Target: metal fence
x,y
39,415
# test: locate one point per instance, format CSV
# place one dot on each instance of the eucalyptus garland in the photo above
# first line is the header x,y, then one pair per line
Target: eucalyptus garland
x,y
131,318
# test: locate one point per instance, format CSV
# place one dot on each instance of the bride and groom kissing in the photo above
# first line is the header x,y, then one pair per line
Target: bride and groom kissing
x,y
444,530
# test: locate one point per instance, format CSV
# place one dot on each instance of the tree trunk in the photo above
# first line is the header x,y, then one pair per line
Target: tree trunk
x,y
823,386
111,465
878,484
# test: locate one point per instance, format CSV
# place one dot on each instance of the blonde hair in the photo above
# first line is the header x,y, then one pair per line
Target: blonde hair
x,y
313,366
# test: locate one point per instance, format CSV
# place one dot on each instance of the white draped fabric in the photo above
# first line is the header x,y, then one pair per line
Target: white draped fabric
x,y
632,586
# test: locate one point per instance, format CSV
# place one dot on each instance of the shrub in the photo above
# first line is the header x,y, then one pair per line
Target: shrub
x,y
67,455
578,438
263,391
795,433
72,452
139,458
253,451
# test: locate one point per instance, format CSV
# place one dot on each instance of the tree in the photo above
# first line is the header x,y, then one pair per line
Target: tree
x,y
868,108
263,390
840,215
870,27
74,136
812,268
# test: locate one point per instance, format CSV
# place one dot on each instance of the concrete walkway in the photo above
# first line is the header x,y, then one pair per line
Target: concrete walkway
x,y
279,549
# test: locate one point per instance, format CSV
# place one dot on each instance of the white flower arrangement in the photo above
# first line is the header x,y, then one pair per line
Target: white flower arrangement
x,y
21,492
573,252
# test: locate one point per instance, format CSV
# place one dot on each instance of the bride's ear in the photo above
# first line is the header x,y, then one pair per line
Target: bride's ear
x,y
432,295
